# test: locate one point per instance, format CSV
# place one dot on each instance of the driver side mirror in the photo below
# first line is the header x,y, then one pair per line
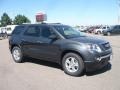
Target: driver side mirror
x,y
53,37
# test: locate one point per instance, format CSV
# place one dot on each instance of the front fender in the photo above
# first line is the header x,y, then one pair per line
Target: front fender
x,y
78,48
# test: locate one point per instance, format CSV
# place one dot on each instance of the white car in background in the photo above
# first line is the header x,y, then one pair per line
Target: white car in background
x,y
3,32
101,29
83,28
10,28
2,29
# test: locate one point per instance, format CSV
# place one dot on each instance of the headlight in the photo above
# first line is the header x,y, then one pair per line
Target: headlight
x,y
94,47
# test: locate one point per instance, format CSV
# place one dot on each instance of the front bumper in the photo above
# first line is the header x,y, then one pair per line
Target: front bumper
x,y
98,63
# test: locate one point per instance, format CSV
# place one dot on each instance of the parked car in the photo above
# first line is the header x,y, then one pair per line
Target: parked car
x,y
100,29
115,29
86,30
9,29
83,28
76,28
60,44
3,32
91,29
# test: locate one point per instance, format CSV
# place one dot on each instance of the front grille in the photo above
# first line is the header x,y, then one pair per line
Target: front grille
x,y
106,46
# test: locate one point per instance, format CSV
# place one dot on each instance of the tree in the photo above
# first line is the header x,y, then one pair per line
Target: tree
x,y
20,19
5,20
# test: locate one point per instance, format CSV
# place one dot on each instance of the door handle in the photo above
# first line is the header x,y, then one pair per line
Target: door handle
x,y
23,40
39,42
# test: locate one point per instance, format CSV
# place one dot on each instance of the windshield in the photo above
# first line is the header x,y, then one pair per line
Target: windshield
x,y
68,32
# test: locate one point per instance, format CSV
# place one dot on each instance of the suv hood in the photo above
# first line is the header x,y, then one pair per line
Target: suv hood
x,y
89,39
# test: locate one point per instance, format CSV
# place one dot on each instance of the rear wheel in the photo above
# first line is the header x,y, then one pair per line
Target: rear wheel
x,y
17,54
73,64
98,32
5,35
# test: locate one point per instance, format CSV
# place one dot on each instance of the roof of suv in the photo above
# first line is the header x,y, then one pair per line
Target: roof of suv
x,y
49,24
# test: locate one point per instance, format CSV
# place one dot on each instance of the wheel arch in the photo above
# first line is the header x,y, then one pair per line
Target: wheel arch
x,y
14,46
70,51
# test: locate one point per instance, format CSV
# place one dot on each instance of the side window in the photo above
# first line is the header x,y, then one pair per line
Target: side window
x,y
32,31
18,30
46,31
104,27
9,29
116,27
119,27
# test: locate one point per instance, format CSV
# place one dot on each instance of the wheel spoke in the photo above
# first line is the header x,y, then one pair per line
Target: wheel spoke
x,y
73,68
68,61
71,64
16,54
72,60
76,64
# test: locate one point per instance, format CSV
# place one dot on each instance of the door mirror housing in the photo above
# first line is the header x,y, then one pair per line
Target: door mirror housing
x,y
53,37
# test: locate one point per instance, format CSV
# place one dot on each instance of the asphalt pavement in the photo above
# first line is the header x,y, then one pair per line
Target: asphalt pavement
x,y
40,75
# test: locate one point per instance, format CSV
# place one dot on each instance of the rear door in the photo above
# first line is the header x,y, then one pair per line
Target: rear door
x,y
37,44
30,40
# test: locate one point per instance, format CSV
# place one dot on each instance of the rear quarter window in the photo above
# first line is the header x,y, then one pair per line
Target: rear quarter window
x,y
33,31
18,30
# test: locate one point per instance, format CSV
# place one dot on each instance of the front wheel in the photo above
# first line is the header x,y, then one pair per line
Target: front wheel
x,y
17,54
98,32
73,64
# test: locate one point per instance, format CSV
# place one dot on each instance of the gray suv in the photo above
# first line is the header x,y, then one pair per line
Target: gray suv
x,y
113,30
61,44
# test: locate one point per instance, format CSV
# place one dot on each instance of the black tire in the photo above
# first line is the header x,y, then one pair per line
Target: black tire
x,y
21,57
98,32
6,36
104,34
79,61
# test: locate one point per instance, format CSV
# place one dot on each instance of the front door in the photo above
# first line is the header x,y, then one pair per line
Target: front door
x,y
48,48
